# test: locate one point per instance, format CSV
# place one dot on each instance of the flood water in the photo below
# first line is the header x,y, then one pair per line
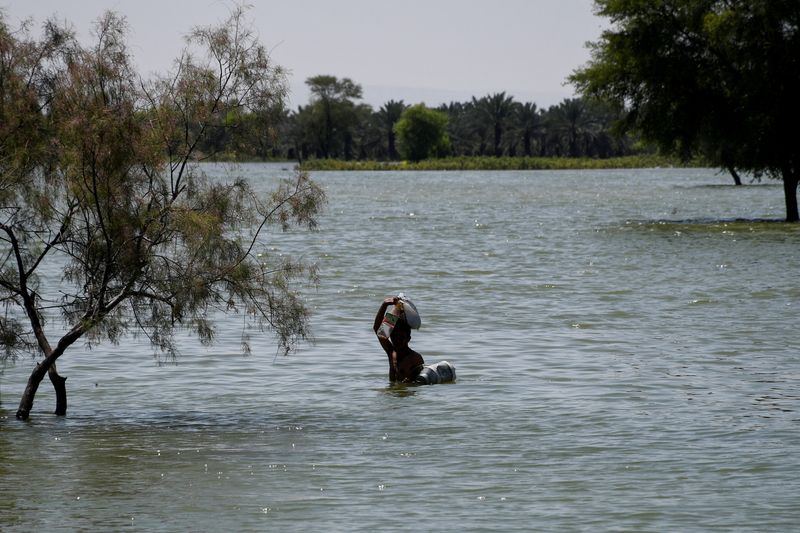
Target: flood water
x,y
627,352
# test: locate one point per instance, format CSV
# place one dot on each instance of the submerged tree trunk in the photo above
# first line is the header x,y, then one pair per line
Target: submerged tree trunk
x,y
736,179
790,179
26,402
727,162
47,366
59,384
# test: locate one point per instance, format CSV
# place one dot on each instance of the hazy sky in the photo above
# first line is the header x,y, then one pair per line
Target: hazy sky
x,y
413,50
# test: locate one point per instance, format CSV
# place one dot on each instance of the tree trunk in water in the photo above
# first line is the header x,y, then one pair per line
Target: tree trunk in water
x,y
48,366
61,390
728,164
736,179
790,179
26,402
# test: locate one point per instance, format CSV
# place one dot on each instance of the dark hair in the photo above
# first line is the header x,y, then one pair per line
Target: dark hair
x,y
401,328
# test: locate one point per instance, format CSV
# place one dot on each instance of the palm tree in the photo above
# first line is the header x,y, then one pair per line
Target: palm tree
x,y
459,128
496,112
530,124
388,115
572,119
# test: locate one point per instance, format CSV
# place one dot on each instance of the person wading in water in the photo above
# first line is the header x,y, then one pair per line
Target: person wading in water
x,y
404,363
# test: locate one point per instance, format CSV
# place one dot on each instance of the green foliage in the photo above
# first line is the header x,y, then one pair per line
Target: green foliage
x,y
422,133
107,190
718,78
387,116
334,125
494,125
496,112
328,122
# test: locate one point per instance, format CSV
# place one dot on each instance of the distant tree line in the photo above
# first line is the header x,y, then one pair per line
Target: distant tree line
x,y
335,124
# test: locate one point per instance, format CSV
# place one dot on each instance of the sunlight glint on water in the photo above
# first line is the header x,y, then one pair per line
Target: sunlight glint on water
x,y
626,348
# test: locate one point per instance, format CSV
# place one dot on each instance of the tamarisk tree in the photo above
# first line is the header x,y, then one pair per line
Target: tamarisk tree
x,y
99,180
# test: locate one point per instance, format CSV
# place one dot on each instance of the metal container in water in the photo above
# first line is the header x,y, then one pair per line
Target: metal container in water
x,y
441,372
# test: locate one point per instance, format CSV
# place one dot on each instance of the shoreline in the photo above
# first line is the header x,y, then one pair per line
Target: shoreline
x,y
502,163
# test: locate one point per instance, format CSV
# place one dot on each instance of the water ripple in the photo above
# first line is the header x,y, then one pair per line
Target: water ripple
x,y
625,344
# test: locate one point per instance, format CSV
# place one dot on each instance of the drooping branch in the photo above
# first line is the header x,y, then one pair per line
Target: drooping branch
x,y
55,241
28,298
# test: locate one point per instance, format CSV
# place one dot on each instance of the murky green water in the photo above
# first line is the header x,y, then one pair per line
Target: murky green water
x,y
627,350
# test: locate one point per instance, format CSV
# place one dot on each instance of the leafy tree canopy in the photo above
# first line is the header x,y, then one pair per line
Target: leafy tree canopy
x,y
422,133
719,78
331,115
332,89
98,180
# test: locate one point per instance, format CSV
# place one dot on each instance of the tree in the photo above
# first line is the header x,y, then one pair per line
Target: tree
x,y
388,115
367,135
97,180
571,120
256,134
459,129
718,78
333,113
422,133
495,111
529,122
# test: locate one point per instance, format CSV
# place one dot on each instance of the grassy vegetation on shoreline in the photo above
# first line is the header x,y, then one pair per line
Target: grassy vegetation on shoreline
x,y
500,163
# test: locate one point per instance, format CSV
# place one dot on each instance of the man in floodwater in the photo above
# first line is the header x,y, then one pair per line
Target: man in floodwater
x,y
404,363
